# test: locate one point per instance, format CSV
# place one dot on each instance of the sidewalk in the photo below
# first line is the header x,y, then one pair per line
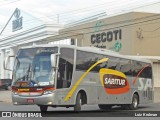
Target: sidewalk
x,y
5,96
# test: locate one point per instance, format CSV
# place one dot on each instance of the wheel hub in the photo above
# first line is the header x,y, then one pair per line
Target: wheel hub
x,y
135,103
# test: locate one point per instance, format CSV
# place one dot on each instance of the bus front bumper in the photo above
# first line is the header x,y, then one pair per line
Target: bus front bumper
x,y
47,99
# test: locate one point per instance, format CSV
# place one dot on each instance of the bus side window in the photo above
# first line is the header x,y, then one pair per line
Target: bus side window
x,y
113,63
147,71
125,67
85,60
138,66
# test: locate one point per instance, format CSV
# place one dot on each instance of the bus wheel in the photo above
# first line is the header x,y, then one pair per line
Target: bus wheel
x,y
43,108
105,107
77,106
134,104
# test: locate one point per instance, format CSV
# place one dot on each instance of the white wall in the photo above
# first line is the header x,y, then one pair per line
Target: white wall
x,y
156,74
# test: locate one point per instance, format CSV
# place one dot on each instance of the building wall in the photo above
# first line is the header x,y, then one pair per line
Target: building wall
x,y
156,78
146,37
134,40
156,74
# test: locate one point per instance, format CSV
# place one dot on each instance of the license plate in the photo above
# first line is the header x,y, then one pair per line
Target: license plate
x,y
30,101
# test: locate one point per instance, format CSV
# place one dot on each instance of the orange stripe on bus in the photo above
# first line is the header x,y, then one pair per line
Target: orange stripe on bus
x,y
134,81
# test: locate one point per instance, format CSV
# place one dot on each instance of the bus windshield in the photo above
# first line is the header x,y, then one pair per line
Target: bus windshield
x,y
33,67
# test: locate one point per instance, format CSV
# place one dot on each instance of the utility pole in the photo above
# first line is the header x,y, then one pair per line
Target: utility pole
x,y
58,18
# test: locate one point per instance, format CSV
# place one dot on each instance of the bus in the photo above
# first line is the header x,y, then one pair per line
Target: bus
x,y
71,76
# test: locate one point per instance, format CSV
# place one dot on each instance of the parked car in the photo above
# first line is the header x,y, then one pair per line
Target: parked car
x,y
5,84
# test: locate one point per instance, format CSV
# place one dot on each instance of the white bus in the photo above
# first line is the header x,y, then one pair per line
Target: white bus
x,y
71,76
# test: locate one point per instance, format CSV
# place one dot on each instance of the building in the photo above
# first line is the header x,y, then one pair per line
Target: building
x,y
23,29
130,33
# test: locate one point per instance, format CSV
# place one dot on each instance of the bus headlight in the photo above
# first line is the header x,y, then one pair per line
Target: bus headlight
x,y
47,92
15,93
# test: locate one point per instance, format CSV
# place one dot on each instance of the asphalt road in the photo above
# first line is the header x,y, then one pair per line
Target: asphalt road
x,y
87,110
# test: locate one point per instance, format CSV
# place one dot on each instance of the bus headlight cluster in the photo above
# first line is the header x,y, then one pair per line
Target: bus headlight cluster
x,y
48,92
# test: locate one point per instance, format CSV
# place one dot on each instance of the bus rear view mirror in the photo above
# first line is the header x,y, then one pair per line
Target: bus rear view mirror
x,y
8,63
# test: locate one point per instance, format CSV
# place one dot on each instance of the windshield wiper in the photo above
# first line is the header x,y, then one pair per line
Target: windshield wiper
x,y
25,76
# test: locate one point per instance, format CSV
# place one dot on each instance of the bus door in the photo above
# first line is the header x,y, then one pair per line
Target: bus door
x,y
65,70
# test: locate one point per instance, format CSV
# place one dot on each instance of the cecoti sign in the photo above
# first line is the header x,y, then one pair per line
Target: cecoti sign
x,y
106,36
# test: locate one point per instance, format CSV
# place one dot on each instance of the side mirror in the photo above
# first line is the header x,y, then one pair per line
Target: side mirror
x,y
8,63
53,60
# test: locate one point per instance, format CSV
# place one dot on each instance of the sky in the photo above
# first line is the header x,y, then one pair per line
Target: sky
x,y
67,10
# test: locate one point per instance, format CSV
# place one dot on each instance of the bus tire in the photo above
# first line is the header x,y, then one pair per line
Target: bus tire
x,y
105,107
78,105
43,108
135,102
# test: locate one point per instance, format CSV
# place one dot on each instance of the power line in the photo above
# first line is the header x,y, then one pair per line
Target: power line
x,y
86,8
9,2
90,8
122,26
122,22
3,1
151,30
70,12
65,17
152,36
130,7
83,28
